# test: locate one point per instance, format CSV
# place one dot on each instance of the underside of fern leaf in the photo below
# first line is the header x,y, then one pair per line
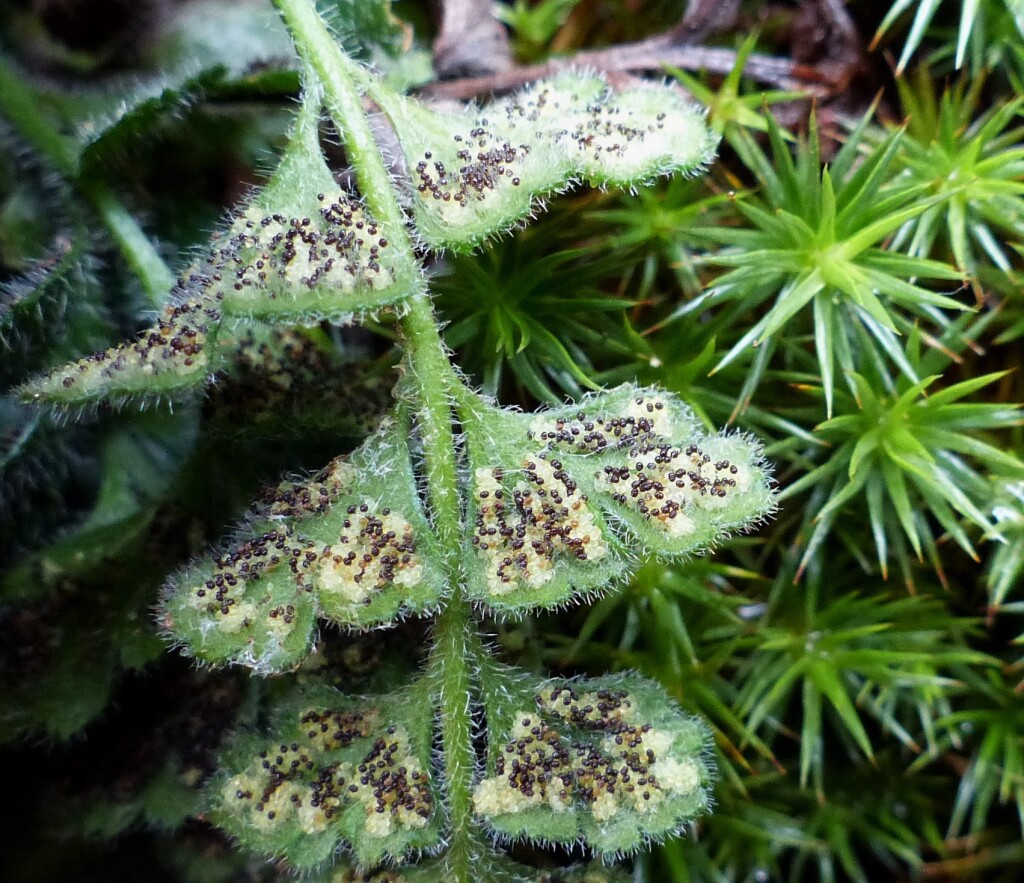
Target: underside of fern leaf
x,y
476,173
609,762
563,502
335,770
350,545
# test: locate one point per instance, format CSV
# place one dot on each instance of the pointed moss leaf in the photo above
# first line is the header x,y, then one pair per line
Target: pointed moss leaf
x,y
478,172
334,770
557,497
305,250
351,544
290,382
611,762
174,356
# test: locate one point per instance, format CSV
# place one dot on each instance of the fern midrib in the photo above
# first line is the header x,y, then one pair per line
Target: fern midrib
x,y
430,375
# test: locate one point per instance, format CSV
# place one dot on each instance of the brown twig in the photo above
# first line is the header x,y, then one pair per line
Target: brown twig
x,y
647,55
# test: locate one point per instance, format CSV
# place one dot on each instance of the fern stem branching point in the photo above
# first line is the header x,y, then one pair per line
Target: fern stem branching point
x,y
340,78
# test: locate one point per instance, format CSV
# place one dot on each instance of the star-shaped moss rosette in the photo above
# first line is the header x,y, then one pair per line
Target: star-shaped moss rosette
x,y
611,763
350,545
477,172
331,772
302,251
561,501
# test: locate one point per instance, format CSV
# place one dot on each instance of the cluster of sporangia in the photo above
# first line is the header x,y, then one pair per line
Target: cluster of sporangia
x,y
274,257
566,128
325,257
557,505
333,770
269,265
611,764
350,544
563,501
560,504
546,515
628,768
387,781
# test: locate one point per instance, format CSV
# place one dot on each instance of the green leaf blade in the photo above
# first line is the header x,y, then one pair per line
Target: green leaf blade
x,y
351,544
609,761
559,496
298,792
176,356
476,173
